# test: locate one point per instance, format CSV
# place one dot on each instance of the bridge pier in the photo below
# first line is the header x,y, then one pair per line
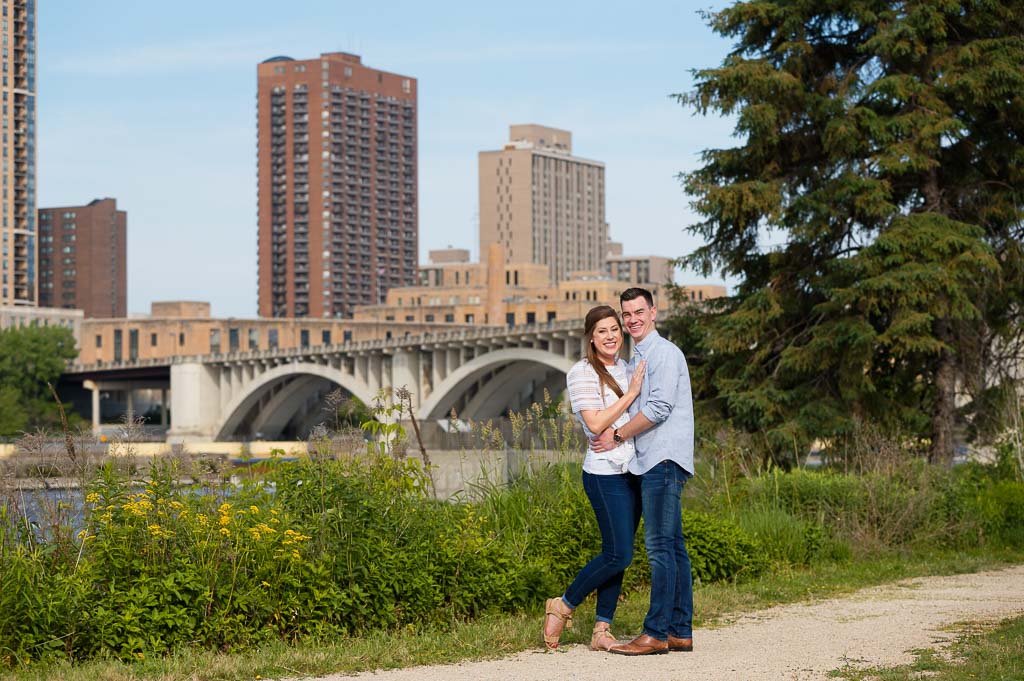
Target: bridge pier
x,y
195,401
405,371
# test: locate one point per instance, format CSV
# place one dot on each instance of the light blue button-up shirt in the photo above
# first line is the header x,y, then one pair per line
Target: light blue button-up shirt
x,y
665,399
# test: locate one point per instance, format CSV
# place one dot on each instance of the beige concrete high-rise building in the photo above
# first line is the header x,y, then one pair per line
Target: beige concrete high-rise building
x,y
18,282
542,204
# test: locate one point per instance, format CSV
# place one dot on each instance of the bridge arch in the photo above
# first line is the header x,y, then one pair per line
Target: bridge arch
x,y
514,367
284,388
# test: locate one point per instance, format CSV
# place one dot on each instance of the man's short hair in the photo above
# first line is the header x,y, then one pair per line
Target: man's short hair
x,y
634,293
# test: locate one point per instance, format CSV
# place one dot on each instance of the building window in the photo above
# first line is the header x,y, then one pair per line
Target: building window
x,y
449,318
181,339
152,340
325,336
233,340
346,336
469,319
254,339
304,338
117,345
428,318
99,341
551,315
133,344
410,318
272,338
214,341
510,318
531,318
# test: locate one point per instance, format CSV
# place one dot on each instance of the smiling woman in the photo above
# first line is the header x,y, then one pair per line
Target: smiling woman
x,y
600,393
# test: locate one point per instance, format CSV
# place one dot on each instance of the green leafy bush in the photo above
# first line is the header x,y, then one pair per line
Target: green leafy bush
x,y
786,539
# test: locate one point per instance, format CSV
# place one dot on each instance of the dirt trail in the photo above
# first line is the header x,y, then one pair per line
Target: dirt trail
x,y
876,626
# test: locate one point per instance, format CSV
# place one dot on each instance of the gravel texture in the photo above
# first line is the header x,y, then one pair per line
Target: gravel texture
x,y
880,626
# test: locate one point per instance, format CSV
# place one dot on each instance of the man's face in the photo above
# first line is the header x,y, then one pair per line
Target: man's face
x,y
638,317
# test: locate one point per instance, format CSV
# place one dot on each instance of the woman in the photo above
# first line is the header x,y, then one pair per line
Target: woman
x,y
600,391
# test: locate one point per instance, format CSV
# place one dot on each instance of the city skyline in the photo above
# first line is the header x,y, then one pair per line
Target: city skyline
x,y
158,113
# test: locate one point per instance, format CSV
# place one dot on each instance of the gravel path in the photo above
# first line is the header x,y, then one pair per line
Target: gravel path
x,y
876,626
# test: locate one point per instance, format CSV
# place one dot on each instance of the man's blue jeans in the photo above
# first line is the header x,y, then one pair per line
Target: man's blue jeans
x,y
671,611
616,503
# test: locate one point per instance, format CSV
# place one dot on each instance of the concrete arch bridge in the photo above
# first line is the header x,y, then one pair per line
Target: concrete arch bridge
x,y
271,394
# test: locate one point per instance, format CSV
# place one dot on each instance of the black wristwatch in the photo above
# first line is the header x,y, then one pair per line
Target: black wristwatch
x,y
616,436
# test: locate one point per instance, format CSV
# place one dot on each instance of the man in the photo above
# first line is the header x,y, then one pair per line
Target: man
x,y
662,425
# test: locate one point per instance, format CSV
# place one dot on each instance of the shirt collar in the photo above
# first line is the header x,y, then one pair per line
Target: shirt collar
x,y
645,345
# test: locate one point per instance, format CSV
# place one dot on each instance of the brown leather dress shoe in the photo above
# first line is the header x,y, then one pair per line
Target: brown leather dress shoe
x,y
641,645
680,644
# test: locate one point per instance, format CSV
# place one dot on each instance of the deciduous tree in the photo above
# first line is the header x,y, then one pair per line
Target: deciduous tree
x,y
31,357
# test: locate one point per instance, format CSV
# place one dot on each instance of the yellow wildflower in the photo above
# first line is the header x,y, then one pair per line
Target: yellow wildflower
x,y
225,531
254,509
92,497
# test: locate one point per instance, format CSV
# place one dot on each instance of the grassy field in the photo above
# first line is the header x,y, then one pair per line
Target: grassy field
x,y
500,635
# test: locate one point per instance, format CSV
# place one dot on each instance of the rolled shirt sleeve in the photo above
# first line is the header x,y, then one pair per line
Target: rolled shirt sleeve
x,y
584,388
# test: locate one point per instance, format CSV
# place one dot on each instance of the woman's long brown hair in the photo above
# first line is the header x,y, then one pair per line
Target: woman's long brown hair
x,y
593,317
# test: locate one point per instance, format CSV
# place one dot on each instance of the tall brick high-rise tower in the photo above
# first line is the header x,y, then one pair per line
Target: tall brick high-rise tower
x,y
338,210
82,258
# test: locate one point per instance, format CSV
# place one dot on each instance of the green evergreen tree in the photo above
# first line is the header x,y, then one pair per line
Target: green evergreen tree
x,y
881,154
31,357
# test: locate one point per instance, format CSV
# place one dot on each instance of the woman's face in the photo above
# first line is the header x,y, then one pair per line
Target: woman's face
x,y
607,339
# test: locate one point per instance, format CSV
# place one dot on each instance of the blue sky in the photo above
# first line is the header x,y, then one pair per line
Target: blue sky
x,y
154,105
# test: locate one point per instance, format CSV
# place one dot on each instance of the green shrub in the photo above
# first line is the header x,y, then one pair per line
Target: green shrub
x,y
719,549
784,539
998,508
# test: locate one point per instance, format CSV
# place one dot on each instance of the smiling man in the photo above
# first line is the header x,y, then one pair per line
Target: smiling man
x,y
662,424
